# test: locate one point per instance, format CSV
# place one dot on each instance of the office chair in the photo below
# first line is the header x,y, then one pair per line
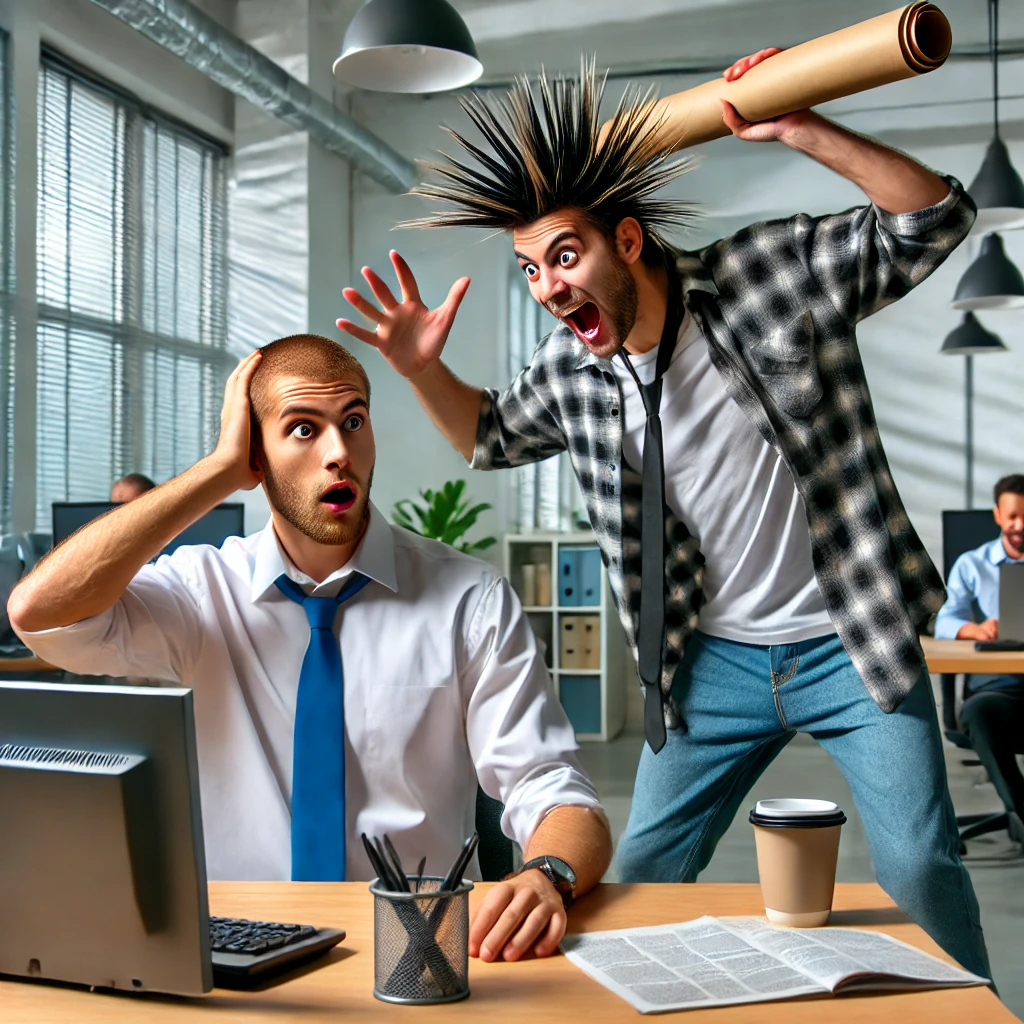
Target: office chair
x,y
964,530
495,849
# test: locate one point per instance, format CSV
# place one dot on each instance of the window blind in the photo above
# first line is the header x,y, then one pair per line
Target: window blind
x,y
6,290
131,282
546,495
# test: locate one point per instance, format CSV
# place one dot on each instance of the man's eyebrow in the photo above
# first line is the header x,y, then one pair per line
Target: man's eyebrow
x,y
309,410
556,241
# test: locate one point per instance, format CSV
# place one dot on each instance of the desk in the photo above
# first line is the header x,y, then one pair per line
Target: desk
x,y
338,988
953,656
19,666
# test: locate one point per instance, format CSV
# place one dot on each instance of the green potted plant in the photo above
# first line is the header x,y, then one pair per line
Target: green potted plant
x,y
446,516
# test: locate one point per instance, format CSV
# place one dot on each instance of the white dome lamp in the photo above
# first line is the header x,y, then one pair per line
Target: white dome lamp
x,y
411,46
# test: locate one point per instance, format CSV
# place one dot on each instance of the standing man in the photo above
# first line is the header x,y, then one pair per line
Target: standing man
x,y
992,714
716,413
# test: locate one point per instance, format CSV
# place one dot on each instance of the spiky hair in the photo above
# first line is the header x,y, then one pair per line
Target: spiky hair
x,y
547,152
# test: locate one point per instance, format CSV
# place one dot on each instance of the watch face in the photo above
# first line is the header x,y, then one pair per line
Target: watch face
x,y
562,869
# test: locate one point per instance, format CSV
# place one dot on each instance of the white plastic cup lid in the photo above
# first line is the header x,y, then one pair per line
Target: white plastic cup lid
x,y
793,807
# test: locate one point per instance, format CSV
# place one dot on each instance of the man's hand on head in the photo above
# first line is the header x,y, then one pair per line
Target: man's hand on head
x,y
408,335
234,447
520,915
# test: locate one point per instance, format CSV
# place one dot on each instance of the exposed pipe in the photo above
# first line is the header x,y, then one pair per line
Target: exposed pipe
x,y
192,35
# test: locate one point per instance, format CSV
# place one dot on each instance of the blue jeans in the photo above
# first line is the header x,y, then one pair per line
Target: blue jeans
x,y
742,704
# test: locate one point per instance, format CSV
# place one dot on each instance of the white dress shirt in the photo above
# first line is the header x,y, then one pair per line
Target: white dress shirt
x,y
444,685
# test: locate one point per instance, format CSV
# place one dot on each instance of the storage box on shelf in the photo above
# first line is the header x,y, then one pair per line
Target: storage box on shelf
x,y
562,583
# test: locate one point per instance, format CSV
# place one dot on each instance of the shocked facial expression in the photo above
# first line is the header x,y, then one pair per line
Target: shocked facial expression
x,y
317,455
579,275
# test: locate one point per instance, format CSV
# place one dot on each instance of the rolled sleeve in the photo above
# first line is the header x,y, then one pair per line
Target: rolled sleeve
x,y
519,425
521,742
866,258
152,631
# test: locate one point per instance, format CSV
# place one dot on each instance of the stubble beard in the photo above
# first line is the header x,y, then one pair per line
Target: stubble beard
x,y
307,513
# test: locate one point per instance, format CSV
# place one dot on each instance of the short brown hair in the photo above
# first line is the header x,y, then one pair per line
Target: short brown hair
x,y
1012,484
309,356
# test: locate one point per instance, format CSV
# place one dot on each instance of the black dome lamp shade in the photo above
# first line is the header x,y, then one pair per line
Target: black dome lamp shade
x,y
971,339
997,189
991,281
412,46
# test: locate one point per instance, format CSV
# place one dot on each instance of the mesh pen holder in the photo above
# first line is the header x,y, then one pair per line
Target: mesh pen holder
x,y
421,943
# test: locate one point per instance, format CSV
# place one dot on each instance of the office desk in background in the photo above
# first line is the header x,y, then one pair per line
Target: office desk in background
x,y
23,666
953,656
339,987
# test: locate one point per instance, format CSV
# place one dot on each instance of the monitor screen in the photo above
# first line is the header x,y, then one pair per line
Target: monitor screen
x,y
964,530
221,522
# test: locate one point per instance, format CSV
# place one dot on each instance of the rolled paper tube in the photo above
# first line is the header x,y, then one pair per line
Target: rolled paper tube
x,y
901,44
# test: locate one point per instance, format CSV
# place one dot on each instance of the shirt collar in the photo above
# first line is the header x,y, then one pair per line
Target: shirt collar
x,y
693,276
375,557
996,553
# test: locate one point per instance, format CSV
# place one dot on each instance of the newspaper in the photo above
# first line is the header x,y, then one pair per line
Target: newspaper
x,y
726,961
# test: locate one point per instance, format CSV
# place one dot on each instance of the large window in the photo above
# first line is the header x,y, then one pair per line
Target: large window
x,y
131,265
546,495
6,292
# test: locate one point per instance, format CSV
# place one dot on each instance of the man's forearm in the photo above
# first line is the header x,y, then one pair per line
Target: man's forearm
x,y
90,571
578,835
453,406
892,181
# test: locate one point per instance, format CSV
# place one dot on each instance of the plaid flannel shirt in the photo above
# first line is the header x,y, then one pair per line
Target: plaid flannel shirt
x,y
778,304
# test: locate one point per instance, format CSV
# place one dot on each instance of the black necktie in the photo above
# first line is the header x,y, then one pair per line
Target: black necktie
x,y
652,530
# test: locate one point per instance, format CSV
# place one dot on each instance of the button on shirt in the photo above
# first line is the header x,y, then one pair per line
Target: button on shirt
x,y
973,583
444,685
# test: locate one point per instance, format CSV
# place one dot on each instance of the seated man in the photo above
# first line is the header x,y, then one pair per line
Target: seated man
x,y
130,487
443,682
993,711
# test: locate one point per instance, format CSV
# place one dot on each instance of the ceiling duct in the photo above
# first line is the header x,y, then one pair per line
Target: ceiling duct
x,y
199,40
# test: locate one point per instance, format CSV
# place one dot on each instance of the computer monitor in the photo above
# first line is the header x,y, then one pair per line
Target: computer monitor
x,y
102,869
221,522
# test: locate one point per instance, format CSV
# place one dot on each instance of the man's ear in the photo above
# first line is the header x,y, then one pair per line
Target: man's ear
x,y
629,239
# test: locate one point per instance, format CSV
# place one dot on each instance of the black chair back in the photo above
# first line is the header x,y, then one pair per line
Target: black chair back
x,y
964,530
495,850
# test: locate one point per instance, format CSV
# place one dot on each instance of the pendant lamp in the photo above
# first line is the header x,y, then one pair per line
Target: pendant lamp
x,y
411,46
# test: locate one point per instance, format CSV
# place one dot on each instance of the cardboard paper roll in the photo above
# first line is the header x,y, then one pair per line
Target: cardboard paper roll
x,y
902,44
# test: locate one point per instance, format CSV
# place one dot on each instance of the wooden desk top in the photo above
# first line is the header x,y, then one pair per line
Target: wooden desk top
x,y
339,987
19,666
960,656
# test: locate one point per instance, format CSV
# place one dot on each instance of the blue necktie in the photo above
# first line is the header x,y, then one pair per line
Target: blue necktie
x,y
318,757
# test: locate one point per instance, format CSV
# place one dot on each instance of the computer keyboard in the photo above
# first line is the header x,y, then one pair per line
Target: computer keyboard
x,y
236,935
246,951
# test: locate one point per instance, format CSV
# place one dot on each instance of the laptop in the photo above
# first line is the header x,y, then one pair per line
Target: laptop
x,y
1011,602
102,865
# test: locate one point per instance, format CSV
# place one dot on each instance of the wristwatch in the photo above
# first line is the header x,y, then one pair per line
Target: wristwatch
x,y
561,876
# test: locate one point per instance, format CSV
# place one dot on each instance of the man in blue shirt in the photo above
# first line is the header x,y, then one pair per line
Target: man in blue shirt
x,y
993,713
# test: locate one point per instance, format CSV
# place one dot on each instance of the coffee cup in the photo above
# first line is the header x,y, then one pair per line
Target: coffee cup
x,y
797,847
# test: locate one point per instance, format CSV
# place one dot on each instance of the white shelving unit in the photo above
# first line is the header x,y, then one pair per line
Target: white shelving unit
x,y
585,647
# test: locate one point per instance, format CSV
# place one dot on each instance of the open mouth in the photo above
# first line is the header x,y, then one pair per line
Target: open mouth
x,y
339,497
584,321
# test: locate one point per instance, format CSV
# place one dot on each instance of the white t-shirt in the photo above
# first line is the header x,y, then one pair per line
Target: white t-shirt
x,y
734,493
